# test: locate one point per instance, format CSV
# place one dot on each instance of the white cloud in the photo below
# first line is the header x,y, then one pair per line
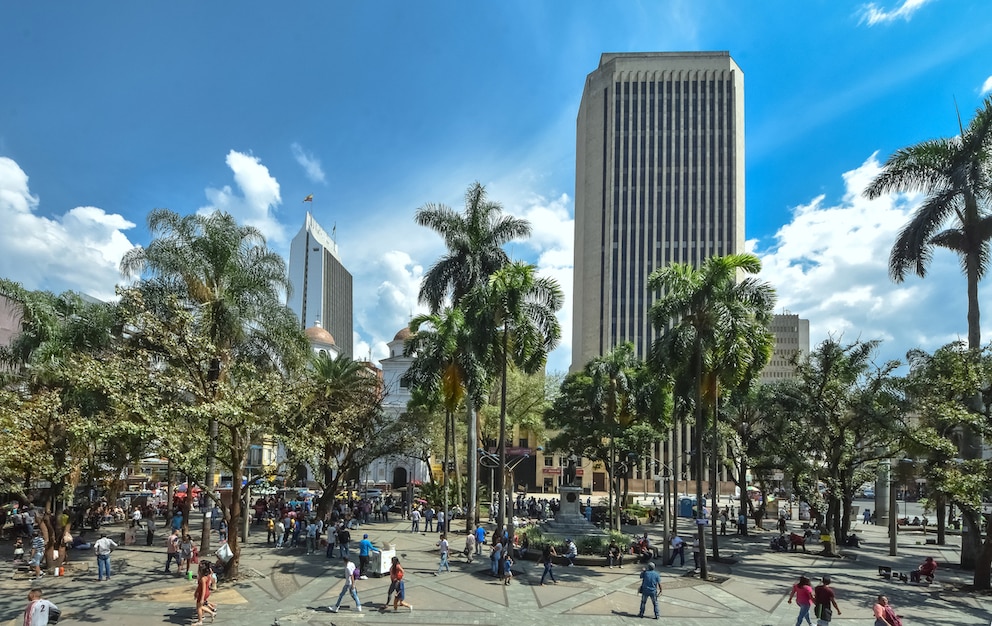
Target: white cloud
x,y
258,200
986,87
309,163
872,14
79,250
829,264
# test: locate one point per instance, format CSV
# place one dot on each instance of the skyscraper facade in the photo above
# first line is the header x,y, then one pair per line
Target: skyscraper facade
x,y
322,287
659,179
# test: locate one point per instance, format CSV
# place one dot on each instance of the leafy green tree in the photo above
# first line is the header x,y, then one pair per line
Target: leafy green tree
x,y
955,175
474,240
41,401
712,327
611,412
846,414
339,426
521,307
941,386
233,285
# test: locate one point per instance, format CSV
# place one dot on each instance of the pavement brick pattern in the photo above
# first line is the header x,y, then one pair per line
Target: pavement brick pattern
x,y
289,587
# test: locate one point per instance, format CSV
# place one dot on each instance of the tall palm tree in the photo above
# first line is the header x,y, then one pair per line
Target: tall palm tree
x,y
521,307
442,367
705,316
226,275
955,175
474,240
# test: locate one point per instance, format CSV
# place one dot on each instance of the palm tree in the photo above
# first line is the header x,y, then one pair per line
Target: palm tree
x,y
474,240
442,368
233,283
521,308
707,318
955,175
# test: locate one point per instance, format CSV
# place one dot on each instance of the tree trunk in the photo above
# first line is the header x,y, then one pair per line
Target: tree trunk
x,y
700,467
714,489
454,460
941,513
472,518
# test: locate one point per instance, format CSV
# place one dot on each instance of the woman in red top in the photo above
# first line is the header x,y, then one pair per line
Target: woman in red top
x,y
884,615
202,594
803,593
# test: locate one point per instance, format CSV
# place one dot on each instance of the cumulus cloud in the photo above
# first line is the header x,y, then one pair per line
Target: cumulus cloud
x,y
986,87
829,264
872,14
79,250
551,245
309,163
258,199
385,299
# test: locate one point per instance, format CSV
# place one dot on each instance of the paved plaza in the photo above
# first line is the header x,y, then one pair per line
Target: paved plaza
x,y
292,588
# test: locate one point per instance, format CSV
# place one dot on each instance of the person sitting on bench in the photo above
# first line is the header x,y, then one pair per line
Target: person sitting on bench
x,y
928,569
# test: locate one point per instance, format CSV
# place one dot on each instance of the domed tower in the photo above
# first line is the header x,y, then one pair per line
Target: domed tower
x,y
321,341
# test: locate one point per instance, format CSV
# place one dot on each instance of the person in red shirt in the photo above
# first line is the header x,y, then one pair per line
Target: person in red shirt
x,y
823,598
927,570
202,594
803,593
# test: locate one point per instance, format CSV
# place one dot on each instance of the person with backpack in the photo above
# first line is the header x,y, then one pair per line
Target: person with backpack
x,y
823,598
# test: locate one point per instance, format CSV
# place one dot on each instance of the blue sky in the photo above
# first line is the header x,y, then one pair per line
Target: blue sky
x,y
111,109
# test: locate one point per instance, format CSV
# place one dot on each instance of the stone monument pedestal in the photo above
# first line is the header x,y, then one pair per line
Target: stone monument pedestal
x,y
569,521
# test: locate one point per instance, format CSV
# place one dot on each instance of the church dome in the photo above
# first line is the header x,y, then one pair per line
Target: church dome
x,y
317,334
403,335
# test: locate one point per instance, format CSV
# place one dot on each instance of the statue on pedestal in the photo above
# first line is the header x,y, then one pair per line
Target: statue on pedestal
x,y
569,479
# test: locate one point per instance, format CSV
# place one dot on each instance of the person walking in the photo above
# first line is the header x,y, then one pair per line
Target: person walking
x,y
480,539
39,610
186,553
102,548
37,553
802,591
172,552
885,615
547,557
440,522
443,546
350,580
650,588
365,549
397,588
202,594
415,521
823,598
469,547
280,532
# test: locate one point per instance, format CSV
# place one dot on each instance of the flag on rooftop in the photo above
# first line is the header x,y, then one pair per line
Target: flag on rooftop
x,y
309,198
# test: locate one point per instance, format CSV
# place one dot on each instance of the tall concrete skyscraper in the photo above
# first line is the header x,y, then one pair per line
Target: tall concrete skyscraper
x,y
321,284
659,178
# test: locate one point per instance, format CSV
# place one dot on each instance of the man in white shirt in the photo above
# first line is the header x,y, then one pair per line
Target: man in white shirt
x,y
415,521
136,517
349,586
103,547
38,609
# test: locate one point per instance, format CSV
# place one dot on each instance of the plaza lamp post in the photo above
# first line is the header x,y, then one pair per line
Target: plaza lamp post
x,y
664,479
492,461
